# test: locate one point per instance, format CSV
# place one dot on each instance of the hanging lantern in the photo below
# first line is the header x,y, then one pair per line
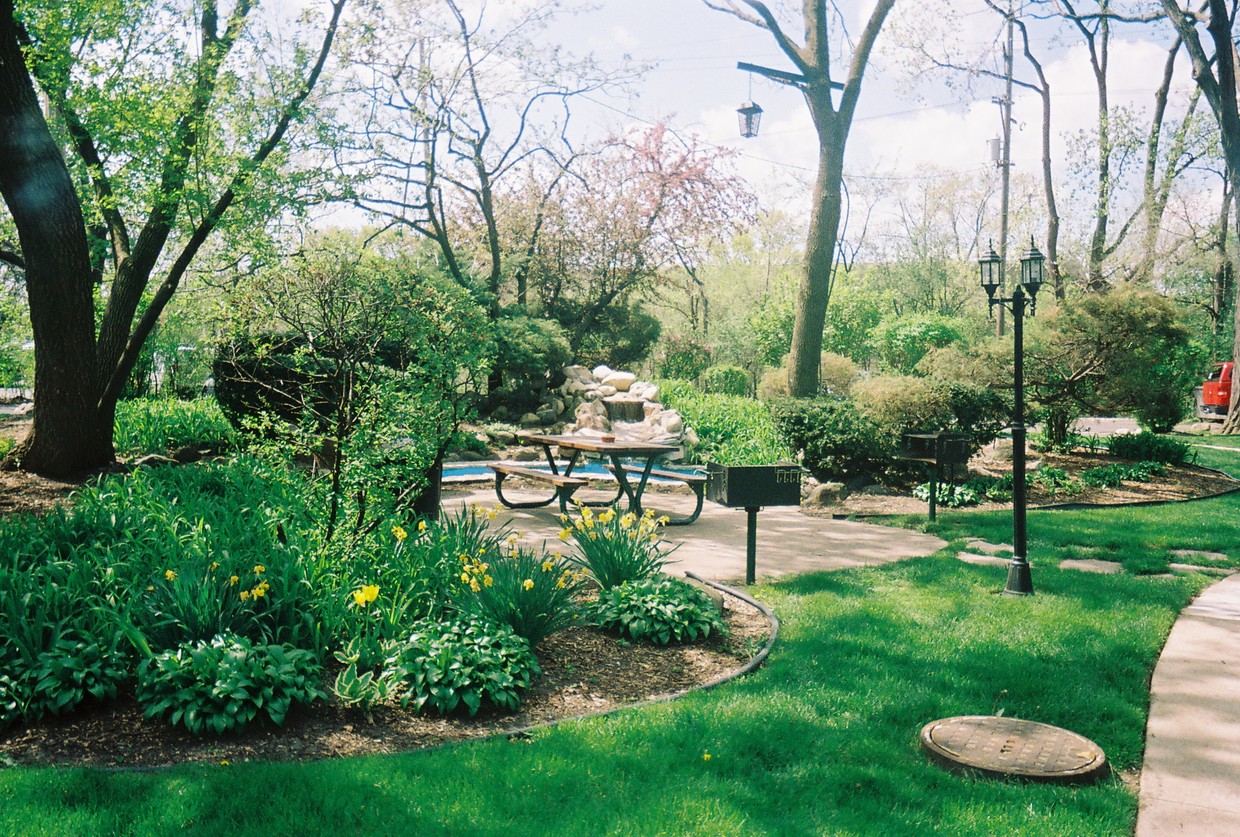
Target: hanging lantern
x,y
749,116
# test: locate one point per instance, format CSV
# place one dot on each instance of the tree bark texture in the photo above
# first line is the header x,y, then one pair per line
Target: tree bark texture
x,y
37,188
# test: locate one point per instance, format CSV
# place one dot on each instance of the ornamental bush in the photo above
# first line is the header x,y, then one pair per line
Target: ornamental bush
x,y
222,685
1150,447
835,440
731,430
658,609
443,665
683,357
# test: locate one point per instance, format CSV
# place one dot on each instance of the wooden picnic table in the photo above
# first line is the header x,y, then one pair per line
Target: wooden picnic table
x,y
575,447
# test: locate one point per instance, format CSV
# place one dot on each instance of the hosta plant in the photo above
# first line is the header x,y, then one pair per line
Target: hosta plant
x,y
660,610
223,684
444,665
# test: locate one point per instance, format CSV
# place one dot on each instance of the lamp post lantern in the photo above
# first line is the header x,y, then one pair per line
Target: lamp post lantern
x,y
749,116
1032,275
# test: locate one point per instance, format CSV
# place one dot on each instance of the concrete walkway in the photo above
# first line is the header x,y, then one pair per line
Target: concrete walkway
x,y
714,546
1190,782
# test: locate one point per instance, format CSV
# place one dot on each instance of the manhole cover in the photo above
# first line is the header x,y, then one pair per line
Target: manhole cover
x,y
1009,747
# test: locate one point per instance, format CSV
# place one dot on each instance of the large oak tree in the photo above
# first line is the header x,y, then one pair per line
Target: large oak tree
x,y
171,116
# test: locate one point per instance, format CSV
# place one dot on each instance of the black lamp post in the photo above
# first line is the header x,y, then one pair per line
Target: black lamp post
x,y
1032,274
749,115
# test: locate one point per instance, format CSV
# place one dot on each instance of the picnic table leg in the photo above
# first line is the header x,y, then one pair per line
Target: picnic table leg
x,y
634,495
499,493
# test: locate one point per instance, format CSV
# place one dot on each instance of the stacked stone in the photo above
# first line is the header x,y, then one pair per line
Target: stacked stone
x,y
603,401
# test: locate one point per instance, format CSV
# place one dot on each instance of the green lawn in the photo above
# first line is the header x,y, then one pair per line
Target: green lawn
x,y
823,740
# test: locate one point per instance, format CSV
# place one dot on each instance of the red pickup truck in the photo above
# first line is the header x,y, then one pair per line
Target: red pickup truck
x,y
1214,395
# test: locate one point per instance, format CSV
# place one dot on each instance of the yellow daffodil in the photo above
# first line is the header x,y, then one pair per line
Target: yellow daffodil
x,y
259,569
606,517
245,595
559,585
487,581
421,525
705,756
465,577
170,575
664,520
473,585
232,580
565,533
528,584
564,518
548,566
399,533
215,565
366,594
628,520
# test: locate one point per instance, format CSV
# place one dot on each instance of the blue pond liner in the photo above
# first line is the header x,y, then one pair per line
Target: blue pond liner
x,y
479,472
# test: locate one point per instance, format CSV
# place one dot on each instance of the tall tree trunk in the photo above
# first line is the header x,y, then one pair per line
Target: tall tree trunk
x,y
814,293
37,188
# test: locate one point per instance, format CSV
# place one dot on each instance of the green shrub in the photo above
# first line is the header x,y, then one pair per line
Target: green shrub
x,y
730,429
978,411
222,685
835,440
948,495
903,404
725,380
836,375
530,354
681,357
616,548
534,595
1150,447
443,665
903,340
162,425
6,446
660,610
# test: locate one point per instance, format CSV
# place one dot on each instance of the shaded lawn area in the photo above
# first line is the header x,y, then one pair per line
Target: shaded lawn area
x,y
824,739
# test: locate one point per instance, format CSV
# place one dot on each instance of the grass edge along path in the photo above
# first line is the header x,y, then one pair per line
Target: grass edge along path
x,y
823,740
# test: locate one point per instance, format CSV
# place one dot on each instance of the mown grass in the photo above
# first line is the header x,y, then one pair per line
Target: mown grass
x,y
822,740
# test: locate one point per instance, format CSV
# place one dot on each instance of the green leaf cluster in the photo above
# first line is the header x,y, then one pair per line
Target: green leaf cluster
x,y
444,665
533,594
616,548
659,610
223,684
1150,447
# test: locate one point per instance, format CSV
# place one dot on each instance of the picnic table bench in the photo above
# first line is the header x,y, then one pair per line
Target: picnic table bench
x,y
563,485
695,481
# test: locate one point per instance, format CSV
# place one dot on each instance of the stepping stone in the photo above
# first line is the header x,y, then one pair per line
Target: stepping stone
x,y
1092,565
988,548
1193,568
1199,554
983,560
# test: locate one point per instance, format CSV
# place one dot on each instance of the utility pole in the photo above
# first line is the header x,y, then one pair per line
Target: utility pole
x,y
1005,163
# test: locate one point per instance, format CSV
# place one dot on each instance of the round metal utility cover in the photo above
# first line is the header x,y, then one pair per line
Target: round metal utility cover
x,y
1008,747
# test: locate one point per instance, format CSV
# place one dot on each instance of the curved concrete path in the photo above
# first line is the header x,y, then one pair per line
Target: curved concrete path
x,y
714,545
1190,781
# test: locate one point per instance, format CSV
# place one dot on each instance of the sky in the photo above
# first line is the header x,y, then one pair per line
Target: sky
x,y
902,130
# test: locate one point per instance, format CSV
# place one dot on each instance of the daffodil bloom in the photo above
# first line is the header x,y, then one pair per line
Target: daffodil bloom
x,y
487,581
232,580
528,584
564,518
565,533
259,569
215,565
399,533
170,575
664,520
548,566
606,517
261,590
559,585
421,525
245,595
473,585
465,577
705,756
366,594
628,520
